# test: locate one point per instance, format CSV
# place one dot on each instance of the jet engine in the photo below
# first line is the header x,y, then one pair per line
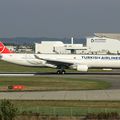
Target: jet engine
x,y
83,68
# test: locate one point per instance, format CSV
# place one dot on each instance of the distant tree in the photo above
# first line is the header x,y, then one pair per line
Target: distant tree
x,y
7,110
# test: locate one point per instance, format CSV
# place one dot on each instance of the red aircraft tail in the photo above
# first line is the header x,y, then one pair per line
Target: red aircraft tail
x,y
4,49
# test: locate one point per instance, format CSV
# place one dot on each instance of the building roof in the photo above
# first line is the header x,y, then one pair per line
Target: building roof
x,y
108,35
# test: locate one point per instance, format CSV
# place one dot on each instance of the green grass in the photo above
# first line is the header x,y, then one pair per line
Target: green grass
x,y
67,108
65,103
54,83
67,111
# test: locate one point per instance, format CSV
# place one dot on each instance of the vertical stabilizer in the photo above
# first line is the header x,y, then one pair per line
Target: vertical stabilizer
x,y
4,49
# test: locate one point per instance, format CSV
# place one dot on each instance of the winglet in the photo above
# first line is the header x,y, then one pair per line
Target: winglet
x,y
4,49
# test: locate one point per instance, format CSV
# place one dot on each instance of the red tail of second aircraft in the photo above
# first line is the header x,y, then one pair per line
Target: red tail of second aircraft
x,y
4,49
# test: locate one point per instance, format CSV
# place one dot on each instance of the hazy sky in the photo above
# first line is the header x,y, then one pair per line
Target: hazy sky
x,y
58,18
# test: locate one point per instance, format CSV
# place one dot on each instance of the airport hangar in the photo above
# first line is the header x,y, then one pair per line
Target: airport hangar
x,y
100,43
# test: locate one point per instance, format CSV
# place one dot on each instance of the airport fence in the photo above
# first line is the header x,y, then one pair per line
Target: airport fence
x,y
66,111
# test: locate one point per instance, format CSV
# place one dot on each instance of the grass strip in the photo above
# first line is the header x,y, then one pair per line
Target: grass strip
x,y
54,83
67,108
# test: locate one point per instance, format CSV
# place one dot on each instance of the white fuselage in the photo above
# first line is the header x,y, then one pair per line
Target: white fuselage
x,y
91,61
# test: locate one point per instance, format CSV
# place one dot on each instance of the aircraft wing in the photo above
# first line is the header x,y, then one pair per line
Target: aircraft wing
x,y
55,62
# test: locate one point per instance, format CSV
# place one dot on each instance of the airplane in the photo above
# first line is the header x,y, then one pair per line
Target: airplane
x,y
60,61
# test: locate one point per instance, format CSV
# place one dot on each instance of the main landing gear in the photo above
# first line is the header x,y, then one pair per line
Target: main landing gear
x,y
61,72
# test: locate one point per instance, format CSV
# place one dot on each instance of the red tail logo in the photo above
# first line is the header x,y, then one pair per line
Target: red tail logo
x,y
4,49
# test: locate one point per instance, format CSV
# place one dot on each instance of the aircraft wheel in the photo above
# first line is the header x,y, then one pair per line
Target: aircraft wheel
x,y
61,72
58,72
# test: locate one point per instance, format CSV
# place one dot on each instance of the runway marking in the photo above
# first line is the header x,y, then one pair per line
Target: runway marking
x,y
53,73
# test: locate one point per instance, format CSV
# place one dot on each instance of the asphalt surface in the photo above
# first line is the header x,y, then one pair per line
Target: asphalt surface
x,y
98,95
53,73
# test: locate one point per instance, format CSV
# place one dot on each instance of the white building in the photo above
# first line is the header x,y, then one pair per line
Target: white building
x,y
103,44
47,46
70,49
58,47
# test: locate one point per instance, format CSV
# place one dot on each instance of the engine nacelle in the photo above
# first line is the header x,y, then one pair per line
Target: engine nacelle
x,y
83,68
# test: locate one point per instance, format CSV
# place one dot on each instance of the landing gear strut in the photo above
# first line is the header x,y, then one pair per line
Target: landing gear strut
x,y
61,72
